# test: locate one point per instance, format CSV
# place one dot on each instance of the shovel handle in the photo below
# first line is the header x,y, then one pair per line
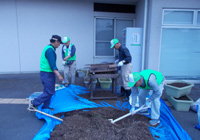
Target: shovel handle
x,y
126,115
33,109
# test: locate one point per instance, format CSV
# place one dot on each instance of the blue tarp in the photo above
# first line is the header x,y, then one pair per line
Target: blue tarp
x,y
67,99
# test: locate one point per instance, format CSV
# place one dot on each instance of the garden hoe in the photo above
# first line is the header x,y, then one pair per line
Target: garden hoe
x,y
126,115
31,108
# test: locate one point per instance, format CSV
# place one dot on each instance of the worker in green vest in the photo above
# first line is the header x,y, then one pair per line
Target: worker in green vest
x,y
69,61
48,73
146,81
125,66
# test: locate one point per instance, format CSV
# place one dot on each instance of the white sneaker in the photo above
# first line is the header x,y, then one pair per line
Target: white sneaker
x,y
31,103
154,121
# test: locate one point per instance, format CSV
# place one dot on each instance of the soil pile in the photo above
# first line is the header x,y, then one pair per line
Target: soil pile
x,y
94,125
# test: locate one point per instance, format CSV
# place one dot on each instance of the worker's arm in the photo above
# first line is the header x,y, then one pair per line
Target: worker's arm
x,y
154,86
134,96
58,75
51,57
63,51
127,54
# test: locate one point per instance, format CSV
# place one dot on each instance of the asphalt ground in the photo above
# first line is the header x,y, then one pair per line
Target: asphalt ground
x,y
19,124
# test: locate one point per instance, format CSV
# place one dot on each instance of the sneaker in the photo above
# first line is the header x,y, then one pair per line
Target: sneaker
x,y
144,112
31,103
154,121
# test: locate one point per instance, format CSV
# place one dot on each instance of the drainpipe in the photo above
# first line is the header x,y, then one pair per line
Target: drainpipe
x,y
144,33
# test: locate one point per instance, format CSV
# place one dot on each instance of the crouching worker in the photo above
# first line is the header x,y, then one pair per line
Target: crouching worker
x,y
48,73
147,80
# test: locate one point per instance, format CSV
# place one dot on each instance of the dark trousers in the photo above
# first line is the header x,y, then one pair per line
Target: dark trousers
x,y
48,80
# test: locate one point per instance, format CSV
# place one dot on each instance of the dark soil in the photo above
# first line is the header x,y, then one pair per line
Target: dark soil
x,y
94,125
183,98
180,85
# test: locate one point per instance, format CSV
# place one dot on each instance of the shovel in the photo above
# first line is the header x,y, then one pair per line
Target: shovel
x,y
34,109
126,115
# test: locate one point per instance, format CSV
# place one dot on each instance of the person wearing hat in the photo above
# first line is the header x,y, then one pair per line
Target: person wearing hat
x,y
48,73
147,80
69,61
126,67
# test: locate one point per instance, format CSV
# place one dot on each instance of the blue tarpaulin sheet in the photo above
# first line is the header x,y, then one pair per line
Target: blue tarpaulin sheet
x,y
67,99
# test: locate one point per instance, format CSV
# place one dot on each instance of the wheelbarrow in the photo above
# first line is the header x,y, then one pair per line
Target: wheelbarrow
x,y
126,115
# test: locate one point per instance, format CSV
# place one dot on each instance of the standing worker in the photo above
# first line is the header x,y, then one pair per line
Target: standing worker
x,y
48,70
147,80
126,67
69,61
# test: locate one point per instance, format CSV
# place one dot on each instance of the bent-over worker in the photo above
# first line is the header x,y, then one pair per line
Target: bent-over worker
x,y
147,80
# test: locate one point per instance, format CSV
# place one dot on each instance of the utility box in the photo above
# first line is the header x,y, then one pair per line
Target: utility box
x,y
132,39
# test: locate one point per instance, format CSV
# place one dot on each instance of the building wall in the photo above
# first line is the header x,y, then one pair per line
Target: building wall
x,y
27,27
152,56
139,19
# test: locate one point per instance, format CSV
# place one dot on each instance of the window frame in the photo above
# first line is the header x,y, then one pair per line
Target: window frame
x,y
197,17
178,26
115,26
183,10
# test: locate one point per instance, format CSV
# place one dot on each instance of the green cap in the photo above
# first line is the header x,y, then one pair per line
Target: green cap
x,y
65,39
113,42
133,78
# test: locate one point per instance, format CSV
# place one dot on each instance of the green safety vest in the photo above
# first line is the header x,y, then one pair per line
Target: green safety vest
x,y
44,63
146,74
68,51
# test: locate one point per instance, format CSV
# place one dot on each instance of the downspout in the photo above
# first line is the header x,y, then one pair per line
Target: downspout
x,y
144,33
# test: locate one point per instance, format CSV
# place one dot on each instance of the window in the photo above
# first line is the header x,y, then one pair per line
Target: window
x,y
177,17
198,18
180,50
106,30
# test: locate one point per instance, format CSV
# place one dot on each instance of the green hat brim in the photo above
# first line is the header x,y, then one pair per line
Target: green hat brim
x,y
130,84
112,46
65,41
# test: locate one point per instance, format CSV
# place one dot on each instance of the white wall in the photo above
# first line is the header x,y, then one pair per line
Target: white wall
x,y
9,49
27,27
140,13
154,27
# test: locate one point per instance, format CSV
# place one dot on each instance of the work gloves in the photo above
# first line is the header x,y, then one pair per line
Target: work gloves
x,y
120,63
64,63
148,102
132,110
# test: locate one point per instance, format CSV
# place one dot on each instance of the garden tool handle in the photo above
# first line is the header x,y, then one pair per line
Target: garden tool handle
x,y
126,115
34,109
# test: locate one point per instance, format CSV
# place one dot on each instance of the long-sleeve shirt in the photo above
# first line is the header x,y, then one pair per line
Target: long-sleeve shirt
x,y
51,57
125,55
73,50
